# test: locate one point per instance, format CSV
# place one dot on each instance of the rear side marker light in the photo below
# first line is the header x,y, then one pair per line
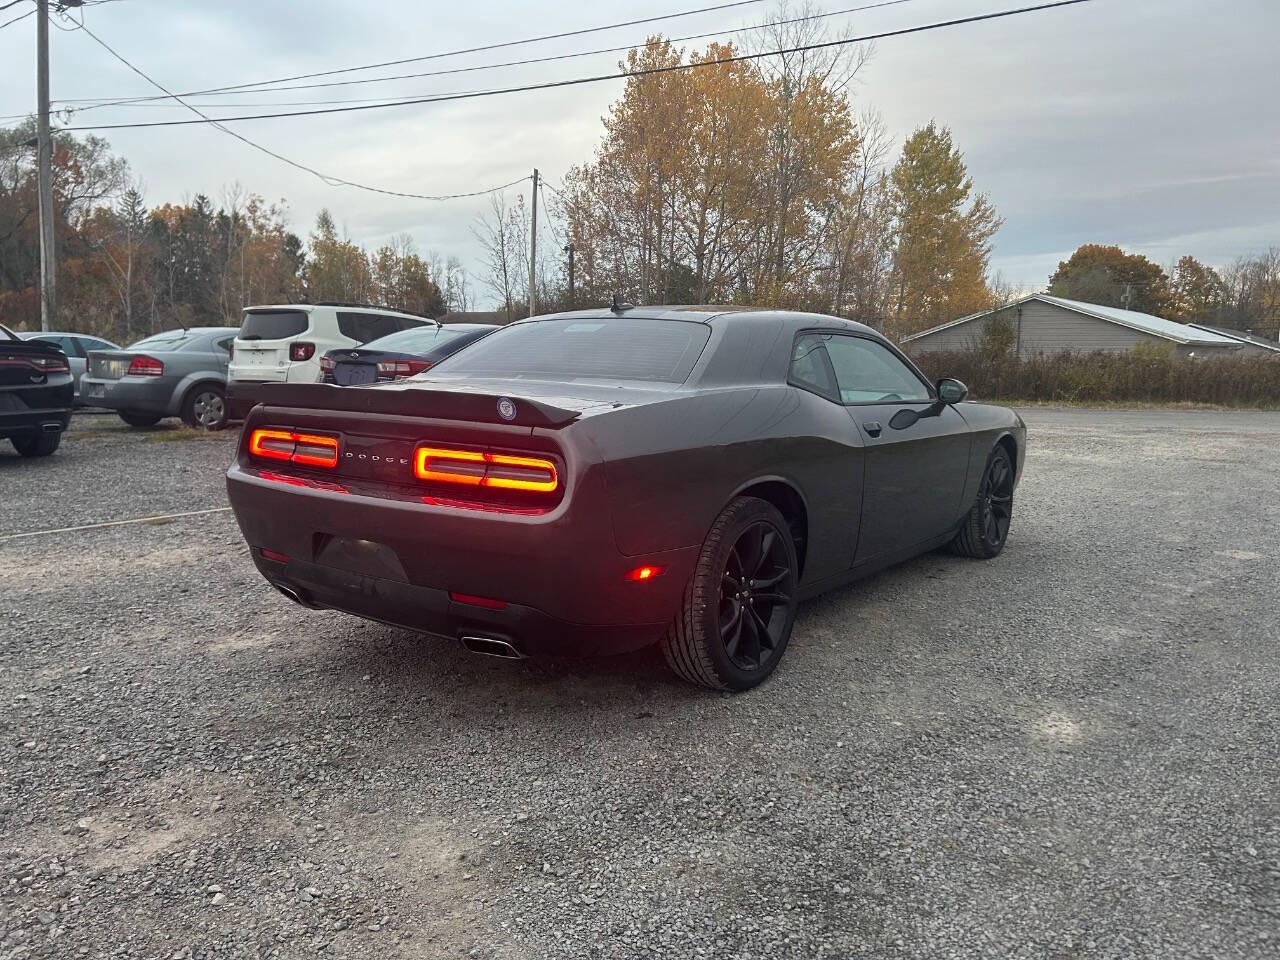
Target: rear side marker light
x,y
473,600
300,351
496,471
646,572
307,449
273,555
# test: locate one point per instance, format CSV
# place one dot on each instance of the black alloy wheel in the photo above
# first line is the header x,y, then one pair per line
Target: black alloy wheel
x,y
755,596
739,606
986,528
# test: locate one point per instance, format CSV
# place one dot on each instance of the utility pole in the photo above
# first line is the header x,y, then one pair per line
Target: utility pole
x,y
44,153
533,249
569,250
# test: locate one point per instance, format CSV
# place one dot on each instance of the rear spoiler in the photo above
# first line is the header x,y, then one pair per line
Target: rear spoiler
x,y
409,400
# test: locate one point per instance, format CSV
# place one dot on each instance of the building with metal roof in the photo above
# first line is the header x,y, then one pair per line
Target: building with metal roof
x,y
1253,346
1045,325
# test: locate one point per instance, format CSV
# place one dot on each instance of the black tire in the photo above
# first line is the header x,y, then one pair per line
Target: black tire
x,y
986,528
205,407
710,641
39,445
135,419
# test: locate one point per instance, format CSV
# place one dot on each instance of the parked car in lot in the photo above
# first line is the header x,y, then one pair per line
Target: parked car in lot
x,y
284,344
404,354
178,373
601,480
36,394
76,346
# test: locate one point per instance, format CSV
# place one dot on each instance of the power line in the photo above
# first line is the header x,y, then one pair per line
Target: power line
x,y
29,13
553,84
96,102
489,46
331,181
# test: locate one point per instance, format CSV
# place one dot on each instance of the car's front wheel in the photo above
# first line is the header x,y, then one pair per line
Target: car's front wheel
x,y
740,605
986,527
40,445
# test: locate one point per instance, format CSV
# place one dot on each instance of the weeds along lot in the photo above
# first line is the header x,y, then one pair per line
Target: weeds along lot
x,y
1070,751
1138,376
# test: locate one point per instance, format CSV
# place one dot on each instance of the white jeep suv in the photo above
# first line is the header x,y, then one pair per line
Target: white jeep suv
x,y
284,344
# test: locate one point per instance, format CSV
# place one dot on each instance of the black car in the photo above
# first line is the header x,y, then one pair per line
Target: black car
x,y
600,480
36,394
399,355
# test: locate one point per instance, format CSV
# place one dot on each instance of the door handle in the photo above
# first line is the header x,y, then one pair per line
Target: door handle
x,y
872,427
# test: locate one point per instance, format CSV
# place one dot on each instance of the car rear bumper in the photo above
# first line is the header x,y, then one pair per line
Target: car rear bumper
x,y
153,395
26,411
557,583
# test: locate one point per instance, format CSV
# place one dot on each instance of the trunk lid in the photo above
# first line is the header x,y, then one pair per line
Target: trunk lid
x,y
23,360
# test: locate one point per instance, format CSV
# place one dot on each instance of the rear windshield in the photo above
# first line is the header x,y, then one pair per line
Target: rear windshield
x,y
169,340
631,348
417,340
273,324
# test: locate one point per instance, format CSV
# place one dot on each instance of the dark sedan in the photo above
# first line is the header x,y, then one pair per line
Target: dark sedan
x,y
600,480
399,355
178,373
36,394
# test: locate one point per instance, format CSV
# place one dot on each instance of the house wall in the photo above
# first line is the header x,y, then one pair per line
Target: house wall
x,y
1043,328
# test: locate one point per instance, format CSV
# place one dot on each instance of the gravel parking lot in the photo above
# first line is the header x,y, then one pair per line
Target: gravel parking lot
x,y
1071,751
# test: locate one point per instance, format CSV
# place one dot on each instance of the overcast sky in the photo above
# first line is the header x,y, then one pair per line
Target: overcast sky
x,y
1153,124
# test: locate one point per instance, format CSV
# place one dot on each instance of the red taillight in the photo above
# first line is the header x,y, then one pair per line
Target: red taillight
x,y
50,364
326,363
273,555
475,601
301,351
310,450
497,471
396,369
144,366
646,572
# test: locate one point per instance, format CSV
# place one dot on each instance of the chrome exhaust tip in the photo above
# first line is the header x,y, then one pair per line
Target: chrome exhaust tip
x,y
492,647
292,594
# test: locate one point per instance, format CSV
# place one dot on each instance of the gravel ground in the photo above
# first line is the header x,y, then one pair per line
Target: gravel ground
x,y
1071,751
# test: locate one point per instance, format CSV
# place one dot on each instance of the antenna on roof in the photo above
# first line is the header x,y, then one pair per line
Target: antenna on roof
x,y
620,305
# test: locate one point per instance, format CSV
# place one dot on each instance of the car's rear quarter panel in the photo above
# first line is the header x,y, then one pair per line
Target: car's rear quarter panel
x,y
673,466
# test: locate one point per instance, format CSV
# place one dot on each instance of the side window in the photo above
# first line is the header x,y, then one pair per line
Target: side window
x,y
66,344
225,344
353,325
93,343
869,372
811,367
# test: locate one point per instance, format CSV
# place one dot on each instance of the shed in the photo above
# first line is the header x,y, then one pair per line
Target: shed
x,y
1046,325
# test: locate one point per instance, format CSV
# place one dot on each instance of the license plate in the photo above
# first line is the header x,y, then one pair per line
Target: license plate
x,y
257,358
97,391
352,374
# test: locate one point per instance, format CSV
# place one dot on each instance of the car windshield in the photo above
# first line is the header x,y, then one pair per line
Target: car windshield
x,y
273,324
417,340
7,333
626,348
169,340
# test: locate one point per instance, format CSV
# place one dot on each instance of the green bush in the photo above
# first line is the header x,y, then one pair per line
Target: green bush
x,y
1144,375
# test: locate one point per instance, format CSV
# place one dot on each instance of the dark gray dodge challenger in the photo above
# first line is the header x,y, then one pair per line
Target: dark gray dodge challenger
x,y
600,480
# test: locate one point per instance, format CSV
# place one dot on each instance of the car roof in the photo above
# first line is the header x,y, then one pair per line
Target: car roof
x,y
358,308
714,316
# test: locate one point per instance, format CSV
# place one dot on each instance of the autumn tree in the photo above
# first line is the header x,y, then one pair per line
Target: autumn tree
x,y
1195,292
1108,276
402,279
337,268
943,234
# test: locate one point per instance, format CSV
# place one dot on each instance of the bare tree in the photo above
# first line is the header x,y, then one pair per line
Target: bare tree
x,y
504,234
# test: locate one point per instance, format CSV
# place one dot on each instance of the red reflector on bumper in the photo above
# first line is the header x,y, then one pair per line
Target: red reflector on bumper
x,y
475,601
273,555
647,572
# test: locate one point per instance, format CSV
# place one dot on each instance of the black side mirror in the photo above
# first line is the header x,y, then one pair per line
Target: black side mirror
x,y
951,391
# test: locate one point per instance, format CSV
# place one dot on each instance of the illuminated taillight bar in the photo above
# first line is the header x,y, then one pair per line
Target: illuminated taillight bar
x,y
307,449
473,468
